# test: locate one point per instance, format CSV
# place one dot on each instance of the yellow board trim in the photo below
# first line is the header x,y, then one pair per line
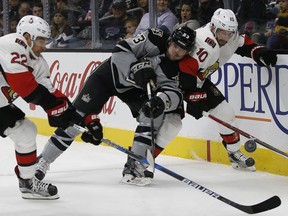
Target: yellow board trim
x,y
189,148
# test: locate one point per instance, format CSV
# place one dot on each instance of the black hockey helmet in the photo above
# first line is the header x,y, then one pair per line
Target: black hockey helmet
x,y
184,37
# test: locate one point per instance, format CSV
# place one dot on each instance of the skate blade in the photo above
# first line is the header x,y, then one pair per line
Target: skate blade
x,y
32,196
241,168
132,180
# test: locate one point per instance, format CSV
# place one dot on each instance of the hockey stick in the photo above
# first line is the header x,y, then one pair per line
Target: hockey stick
x,y
151,119
247,135
265,205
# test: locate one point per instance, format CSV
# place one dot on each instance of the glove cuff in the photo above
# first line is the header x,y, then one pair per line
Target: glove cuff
x,y
166,100
91,118
254,50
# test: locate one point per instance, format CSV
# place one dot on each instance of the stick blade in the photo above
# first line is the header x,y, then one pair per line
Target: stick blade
x,y
266,205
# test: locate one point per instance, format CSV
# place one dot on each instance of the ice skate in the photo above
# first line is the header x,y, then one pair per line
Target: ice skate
x,y
35,189
240,161
136,173
41,167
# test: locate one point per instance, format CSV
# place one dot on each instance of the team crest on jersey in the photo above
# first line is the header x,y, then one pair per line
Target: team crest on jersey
x,y
211,69
86,98
10,94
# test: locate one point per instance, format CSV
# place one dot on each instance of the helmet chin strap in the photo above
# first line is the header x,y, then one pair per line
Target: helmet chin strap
x,y
31,51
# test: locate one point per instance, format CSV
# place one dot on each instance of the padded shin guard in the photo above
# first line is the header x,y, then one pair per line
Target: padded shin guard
x,y
58,143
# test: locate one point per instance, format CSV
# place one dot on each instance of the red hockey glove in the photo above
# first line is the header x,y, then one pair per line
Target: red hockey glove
x,y
196,103
60,111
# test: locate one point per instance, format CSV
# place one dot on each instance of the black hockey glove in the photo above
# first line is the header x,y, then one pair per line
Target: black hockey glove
x,y
95,128
196,103
89,138
154,106
142,72
264,56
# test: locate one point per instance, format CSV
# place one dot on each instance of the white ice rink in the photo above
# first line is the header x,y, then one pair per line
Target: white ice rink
x,y
88,180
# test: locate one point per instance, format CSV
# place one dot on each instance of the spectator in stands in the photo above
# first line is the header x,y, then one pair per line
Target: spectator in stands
x,y
113,28
13,24
24,9
130,4
277,37
166,20
207,9
72,12
251,10
130,27
13,7
84,8
187,15
61,32
143,4
37,9
104,7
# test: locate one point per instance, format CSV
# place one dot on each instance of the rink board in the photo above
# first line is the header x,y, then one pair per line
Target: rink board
x,y
189,148
258,96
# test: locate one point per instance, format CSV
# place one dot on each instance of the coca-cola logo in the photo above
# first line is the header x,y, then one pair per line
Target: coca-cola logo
x,y
71,83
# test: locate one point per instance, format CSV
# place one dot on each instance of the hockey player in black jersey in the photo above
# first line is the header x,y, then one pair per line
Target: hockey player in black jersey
x,y
151,56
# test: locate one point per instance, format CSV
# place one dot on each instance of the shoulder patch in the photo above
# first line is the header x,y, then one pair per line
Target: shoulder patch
x,y
157,32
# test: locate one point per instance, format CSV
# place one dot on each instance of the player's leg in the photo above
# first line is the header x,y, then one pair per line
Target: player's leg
x,y
95,93
23,133
218,106
231,139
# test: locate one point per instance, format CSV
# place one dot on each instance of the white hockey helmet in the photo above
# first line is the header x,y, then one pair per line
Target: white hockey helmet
x,y
35,26
224,19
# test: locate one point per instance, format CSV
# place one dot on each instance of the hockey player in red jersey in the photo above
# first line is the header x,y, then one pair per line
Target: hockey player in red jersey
x,y
151,55
25,73
215,44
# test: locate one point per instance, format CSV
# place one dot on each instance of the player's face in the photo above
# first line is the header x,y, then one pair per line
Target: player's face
x,y
223,36
39,45
174,52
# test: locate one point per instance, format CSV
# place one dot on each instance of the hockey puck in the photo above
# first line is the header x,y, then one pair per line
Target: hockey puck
x,y
250,146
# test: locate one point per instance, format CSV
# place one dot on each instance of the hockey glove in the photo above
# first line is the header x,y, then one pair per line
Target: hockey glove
x,y
142,72
154,106
264,56
95,128
60,111
196,103
89,138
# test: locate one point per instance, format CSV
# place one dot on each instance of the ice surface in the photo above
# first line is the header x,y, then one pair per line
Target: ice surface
x,y
88,180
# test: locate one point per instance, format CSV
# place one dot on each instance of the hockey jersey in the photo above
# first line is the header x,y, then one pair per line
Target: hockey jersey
x,y
208,56
20,74
152,45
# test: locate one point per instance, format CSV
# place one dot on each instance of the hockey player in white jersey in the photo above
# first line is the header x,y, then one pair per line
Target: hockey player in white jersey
x,y
151,55
215,44
25,73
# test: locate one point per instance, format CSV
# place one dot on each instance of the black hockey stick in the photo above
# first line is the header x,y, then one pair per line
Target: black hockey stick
x,y
149,84
266,205
247,135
